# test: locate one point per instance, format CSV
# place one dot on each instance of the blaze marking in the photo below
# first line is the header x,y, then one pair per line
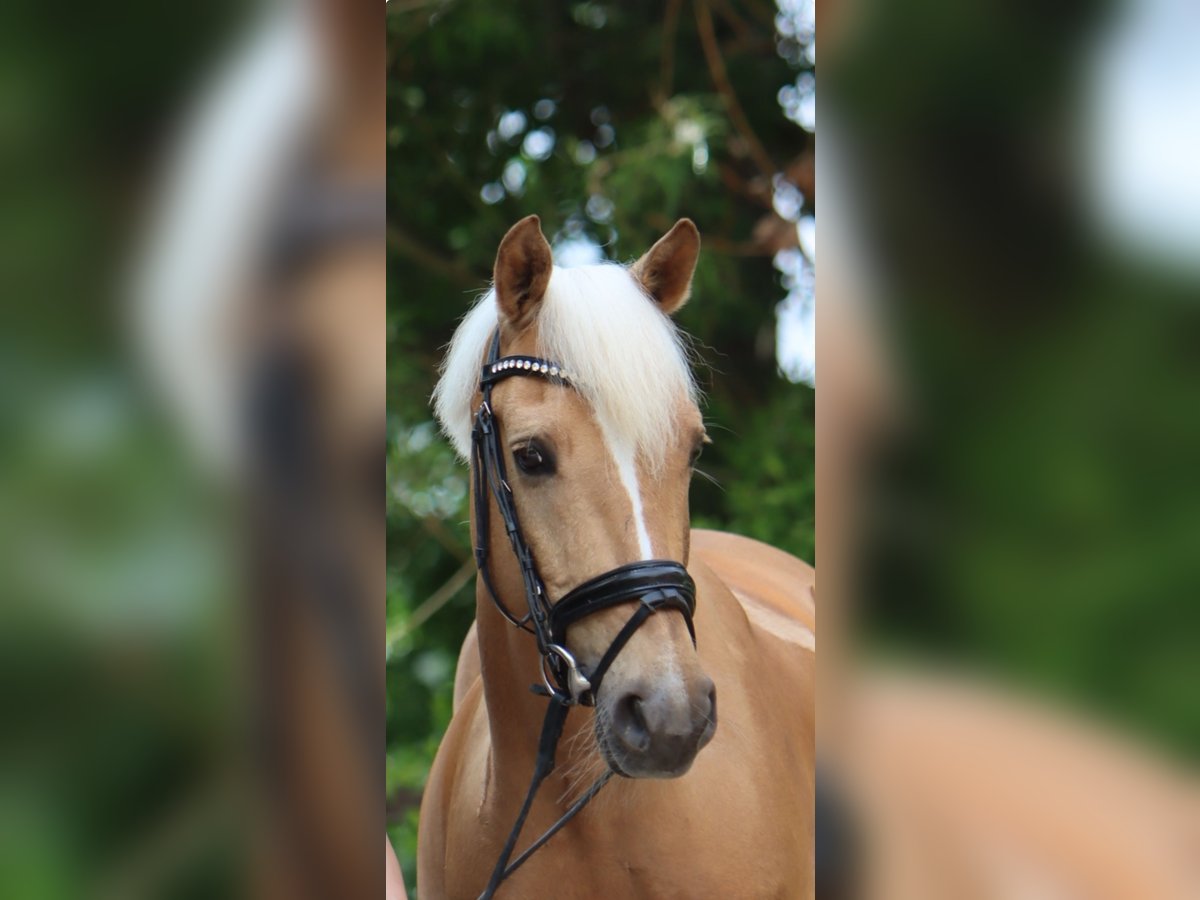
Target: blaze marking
x,y
623,455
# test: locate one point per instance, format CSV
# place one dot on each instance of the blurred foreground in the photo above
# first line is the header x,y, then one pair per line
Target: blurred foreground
x,y
190,508
1009,513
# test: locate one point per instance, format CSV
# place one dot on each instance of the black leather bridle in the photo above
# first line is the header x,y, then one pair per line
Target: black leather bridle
x,y
654,584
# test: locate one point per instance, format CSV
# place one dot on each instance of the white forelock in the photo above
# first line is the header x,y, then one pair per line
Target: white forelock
x,y
624,356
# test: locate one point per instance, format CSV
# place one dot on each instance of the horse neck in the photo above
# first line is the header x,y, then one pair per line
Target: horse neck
x,y
510,664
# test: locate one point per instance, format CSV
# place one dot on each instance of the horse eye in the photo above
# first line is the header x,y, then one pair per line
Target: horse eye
x,y
696,452
533,459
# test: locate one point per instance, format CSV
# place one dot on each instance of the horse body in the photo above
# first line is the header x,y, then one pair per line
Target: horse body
x,y
571,394
739,824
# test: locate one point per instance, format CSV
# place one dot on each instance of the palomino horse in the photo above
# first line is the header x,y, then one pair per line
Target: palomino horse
x,y
591,460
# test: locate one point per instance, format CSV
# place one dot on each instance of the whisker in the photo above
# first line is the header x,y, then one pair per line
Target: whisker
x,y
571,752
572,743
725,723
570,771
712,425
583,780
588,763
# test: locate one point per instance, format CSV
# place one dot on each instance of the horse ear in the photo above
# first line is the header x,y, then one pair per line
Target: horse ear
x,y
666,270
523,266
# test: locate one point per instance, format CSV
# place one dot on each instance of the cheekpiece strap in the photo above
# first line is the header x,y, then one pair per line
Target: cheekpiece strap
x,y
491,476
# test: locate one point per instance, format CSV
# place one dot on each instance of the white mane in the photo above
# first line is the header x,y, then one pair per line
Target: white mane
x,y
622,353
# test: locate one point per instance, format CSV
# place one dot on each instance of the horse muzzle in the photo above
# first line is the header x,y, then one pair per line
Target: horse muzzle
x,y
655,731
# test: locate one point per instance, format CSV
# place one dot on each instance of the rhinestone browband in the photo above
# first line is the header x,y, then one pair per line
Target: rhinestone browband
x,y
493,372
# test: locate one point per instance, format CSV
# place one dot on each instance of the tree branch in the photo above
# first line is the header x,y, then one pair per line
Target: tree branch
x,y
720,77
666,70
434,603
437,529
400,242
726,11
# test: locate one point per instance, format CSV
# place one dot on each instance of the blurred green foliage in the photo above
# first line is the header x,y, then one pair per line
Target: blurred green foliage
x,y
605,120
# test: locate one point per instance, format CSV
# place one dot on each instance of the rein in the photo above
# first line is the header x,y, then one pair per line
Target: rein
x,y
654,584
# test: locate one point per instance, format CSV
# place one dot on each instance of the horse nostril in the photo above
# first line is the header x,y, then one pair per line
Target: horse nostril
x,y
639,714
630,720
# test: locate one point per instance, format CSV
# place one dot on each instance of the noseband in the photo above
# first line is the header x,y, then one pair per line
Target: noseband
x,y
653,584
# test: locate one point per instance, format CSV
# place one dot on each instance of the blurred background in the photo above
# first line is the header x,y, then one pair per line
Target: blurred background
x,y
1017,218
1007,441
610,121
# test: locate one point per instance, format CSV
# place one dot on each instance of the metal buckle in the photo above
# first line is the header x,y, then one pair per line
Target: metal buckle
x,y
483,419
577,684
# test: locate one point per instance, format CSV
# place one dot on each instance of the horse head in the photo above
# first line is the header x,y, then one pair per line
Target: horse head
x,y
597,459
